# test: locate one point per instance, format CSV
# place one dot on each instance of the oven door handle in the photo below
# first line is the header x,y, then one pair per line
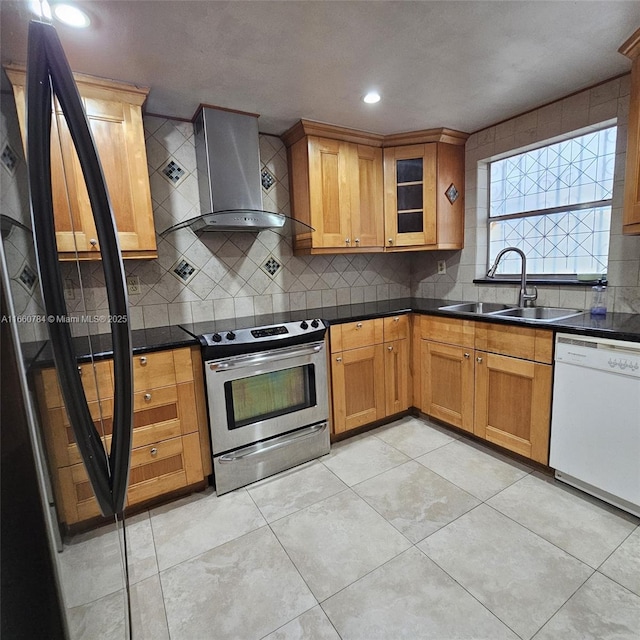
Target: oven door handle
x,y
277,443
237,362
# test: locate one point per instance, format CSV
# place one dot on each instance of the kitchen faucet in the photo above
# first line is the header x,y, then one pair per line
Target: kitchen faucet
x,y
524,299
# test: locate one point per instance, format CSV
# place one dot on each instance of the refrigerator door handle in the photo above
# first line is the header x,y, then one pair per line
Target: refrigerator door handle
x,y
47,70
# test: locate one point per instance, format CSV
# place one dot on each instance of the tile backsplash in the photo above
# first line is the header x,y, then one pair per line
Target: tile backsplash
x,y
233,274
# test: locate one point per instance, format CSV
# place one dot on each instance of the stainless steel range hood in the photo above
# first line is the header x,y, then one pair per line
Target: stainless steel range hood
x,y
229,181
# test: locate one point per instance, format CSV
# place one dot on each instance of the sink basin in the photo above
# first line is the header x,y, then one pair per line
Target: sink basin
x,y
540,314
477,307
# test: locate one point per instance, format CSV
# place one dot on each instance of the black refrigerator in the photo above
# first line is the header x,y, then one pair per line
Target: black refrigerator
x,y
54,586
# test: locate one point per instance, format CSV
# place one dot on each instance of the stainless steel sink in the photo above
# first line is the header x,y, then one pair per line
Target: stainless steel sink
x,y
477,307
540,314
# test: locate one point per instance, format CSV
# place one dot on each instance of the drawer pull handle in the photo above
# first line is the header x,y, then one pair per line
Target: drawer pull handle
x,y
154,452
479,359
389,348
143,361
147,396
359,325
466,355
338,359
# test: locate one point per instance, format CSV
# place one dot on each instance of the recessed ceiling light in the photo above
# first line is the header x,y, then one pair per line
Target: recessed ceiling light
x,y
372,97
71,16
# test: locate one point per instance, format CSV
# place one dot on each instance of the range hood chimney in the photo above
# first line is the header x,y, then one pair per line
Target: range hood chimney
x,y
228,161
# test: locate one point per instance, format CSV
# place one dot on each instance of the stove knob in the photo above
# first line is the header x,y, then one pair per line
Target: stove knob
x,y
231,336
304,325
314,324
216,337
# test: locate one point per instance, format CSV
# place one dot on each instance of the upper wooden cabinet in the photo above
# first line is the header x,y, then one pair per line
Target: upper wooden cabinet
x,y
358,202
424,202
114,112
631,219
336,187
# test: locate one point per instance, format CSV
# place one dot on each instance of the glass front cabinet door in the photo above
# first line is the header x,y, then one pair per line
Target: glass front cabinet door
x,y
410,195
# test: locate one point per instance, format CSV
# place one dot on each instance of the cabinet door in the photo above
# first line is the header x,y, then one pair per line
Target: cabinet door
x,y
115,118
365,178
631,220
358,387
396,376
447,383
410,195
513,404
329,194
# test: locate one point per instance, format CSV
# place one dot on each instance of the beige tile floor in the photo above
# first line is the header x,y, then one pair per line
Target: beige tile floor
x,y
408,531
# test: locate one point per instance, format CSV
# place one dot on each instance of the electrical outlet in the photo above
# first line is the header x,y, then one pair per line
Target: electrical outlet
x,y
69,293
442,267
133,285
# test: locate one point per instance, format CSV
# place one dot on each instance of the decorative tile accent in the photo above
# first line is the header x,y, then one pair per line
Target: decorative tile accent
x,y
173,171
183,270
28,278
9,159
271,266
452,193
268,179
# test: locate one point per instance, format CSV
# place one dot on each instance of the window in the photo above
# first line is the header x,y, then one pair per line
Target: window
x,y
554,203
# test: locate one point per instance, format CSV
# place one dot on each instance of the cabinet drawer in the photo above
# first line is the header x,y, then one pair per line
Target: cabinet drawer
x,y
163,467
353,335
518,342
157,416
153,370
448,330
155,469
396,328
95,384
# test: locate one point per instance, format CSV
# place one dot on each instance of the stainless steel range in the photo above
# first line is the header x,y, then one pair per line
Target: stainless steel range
x,y
268,399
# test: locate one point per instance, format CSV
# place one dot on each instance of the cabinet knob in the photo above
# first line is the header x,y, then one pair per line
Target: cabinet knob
x,y
396,319
466,355
338,359
143,360
479,359
357,240
389,348
390,240
359,325
154,451
348,241
147,396
80,370
93,242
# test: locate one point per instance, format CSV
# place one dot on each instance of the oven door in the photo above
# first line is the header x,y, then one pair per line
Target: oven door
x,y
256,396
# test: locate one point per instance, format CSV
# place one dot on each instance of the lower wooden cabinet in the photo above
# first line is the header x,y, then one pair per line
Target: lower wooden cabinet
x,y
358,387
492,380
396,376
170,448
369,371
513,404
448,383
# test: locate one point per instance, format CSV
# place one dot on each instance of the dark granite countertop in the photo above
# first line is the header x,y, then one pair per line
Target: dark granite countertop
x,y
619,326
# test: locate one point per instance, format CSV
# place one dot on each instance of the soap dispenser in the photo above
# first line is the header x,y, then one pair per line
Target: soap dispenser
x,y
599,300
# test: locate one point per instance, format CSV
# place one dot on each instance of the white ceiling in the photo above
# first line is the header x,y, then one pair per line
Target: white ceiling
x,y
463,65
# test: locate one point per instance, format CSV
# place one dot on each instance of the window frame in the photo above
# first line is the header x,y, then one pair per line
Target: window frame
x,y
563,278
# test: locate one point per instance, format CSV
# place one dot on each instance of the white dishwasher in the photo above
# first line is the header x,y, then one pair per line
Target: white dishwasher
x,y
595,423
